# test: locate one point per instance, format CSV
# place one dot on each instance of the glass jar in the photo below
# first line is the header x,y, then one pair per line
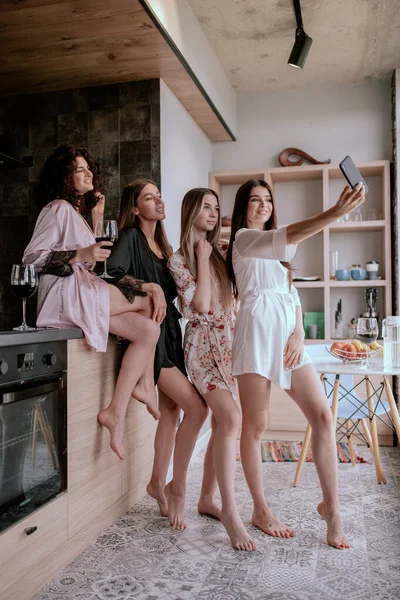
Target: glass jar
x,y
333,263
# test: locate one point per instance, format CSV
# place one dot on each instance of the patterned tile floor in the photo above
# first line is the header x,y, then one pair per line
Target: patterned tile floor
x,y
141,558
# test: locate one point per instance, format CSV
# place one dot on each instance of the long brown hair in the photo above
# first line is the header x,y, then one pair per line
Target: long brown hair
x,y
126,218
192,205
239,220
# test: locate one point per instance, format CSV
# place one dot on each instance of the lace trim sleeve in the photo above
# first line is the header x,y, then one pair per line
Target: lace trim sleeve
x,y
57,263
131,287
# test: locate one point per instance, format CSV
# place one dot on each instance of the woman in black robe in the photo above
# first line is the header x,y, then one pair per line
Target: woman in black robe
x,y
142,252
133,256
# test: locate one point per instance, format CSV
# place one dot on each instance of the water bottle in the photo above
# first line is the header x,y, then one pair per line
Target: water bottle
x,y
391,342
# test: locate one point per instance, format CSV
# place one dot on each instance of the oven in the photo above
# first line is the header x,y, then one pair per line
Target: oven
x,y
33,427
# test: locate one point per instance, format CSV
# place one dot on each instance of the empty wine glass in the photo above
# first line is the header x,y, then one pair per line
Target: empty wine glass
x,y
367,332
24,283
106,231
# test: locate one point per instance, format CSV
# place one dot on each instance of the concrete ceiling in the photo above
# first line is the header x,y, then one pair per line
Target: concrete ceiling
x,y
354,40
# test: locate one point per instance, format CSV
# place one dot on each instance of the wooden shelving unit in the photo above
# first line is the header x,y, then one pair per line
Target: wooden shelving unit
x,y
363,283
300,192
317,188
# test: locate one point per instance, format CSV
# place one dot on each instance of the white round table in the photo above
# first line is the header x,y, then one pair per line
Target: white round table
x,y
327,364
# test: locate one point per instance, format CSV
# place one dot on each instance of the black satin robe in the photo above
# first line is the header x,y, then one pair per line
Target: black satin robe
x,y
132,255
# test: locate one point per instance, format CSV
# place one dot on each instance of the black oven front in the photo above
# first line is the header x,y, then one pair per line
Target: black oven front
x,y
33,428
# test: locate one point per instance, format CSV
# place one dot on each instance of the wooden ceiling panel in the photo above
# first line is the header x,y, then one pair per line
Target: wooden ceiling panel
x,y
65,11
50,45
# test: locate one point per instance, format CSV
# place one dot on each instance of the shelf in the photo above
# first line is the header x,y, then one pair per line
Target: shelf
x,y
309,284
366,283
309,189
357,226
236,177
306,173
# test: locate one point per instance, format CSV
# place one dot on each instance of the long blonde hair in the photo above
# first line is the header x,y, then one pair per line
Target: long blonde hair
x,y
126,218
192,205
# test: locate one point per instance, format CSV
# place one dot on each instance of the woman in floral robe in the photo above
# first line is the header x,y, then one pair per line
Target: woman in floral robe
x,y
205,292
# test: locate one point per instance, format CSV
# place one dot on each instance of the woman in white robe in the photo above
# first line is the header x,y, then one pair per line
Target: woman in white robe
x,y
269,343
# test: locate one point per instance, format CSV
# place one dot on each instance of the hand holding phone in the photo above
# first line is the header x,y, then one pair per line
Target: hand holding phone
x,y
351,173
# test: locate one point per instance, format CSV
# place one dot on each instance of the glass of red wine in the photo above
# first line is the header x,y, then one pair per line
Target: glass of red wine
x,y
367,332
24,283
106,231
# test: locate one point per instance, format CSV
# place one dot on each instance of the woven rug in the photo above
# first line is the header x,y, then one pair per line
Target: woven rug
x,y
290,452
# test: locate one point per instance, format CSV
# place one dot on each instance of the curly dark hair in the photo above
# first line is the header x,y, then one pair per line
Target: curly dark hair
x,y
56,179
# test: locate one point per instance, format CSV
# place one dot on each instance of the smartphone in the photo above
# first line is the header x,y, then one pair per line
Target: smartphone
x,y
351,173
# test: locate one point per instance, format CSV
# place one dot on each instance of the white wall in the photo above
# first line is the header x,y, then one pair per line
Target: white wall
x,y
397,171
186,159
179,21
326,122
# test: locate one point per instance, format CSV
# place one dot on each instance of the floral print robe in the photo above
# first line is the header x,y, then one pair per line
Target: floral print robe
x,y
208,337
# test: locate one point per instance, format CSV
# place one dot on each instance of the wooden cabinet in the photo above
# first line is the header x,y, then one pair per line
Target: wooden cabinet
x,y
23,555
100,486
300,192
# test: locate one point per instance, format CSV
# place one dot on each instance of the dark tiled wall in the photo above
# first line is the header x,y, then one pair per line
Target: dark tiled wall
x,y
120,126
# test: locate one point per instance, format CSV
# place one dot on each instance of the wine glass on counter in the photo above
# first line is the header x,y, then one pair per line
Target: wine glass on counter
x,y
106,231
367,332
24,283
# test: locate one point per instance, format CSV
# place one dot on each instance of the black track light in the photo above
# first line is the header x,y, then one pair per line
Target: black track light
x,y
302,43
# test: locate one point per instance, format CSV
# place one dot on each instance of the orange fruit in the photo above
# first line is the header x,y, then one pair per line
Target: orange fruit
x,y
337,347
350,351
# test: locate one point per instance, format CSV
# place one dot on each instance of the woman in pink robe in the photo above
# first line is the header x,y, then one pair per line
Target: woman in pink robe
x,y
64,251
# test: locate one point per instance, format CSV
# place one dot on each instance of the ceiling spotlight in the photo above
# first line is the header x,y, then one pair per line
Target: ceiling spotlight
x,y
302,43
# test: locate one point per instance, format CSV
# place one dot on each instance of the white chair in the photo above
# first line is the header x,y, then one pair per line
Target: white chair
x,y
351,412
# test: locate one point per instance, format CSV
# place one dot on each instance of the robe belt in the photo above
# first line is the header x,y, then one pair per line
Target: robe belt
x,y
257,292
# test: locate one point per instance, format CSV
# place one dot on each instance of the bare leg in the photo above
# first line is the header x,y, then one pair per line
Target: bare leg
x,y
207,504
227,417
143,334
308,394
177,387
163,446
145,391
254,399
145,388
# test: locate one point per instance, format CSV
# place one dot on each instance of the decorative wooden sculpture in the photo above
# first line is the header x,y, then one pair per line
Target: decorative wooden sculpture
x,y
285,162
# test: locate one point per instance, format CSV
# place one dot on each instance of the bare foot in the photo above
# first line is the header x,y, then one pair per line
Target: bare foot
x,y
146,393
158,493
334,536
116,428
176,507
270,525
237,532
209,508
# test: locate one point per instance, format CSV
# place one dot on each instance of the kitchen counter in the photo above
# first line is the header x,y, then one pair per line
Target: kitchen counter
x,y
101,487
18,338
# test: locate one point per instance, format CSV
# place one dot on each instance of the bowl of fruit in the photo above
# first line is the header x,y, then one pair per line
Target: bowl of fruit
x,y
355,350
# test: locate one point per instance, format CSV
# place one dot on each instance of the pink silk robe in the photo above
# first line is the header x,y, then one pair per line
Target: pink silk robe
x,y
78,300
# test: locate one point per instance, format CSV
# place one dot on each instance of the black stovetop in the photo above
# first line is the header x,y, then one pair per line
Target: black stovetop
x,y
18,338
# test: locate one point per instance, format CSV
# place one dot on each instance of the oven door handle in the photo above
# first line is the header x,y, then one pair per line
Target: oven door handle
x,y
30,389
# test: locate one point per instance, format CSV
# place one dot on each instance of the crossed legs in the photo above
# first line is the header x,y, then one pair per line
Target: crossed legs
x,y
227,420
131,322
175,393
